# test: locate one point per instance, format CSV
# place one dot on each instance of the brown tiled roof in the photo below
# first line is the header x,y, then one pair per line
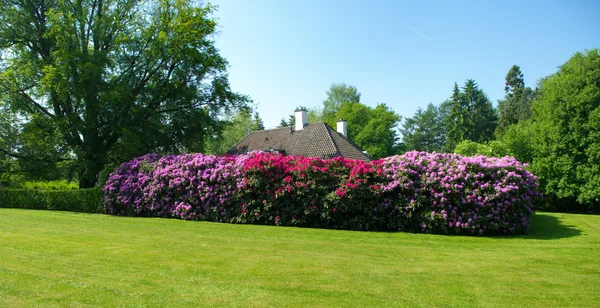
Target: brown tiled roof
x,y
315,140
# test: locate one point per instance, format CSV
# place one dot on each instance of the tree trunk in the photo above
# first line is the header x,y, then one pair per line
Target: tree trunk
x,y
86,182
90,166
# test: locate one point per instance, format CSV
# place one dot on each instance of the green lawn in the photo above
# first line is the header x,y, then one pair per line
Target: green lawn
x,y
69,259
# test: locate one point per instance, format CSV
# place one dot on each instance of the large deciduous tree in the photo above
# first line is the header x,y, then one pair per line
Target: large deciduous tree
x,y
8,143
31,148
373,129
116,77
566,132
379,136
338,94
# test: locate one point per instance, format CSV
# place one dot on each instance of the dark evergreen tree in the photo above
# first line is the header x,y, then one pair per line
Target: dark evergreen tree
x,y
471,116
483,118
457,121
258,122
425,131
516,105
283,123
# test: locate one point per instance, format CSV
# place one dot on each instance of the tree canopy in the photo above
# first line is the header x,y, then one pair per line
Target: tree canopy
x,y
114,78
566,131
373,129
338,94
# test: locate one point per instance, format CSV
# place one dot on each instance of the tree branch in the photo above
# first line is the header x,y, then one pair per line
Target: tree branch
x,y
19,156
35,104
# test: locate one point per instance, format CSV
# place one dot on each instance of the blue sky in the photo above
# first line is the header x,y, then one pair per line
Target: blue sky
x,y
405,54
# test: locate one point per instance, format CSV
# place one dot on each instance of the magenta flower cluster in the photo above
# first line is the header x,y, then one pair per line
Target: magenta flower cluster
x,y
414,192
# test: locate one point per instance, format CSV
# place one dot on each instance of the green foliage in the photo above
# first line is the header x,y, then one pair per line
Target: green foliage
x,y
373,129
44,185
425,131
337,95
490,149
481,112
516,105
77,200
258,122
31,150
519,141
105,174
42,153
458,121
566,132
8,143
379,137
283,123
471,148
114,80
356,116
234,128
471,116
315,115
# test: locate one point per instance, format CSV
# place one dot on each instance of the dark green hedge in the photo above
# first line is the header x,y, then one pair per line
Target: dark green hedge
x,y
80,200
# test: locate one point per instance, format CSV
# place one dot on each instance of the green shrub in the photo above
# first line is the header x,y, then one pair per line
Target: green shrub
x,y
105,173
79,200
491,149
44,185
7,178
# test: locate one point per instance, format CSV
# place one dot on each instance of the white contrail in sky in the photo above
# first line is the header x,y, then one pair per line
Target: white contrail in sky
x,y
416,31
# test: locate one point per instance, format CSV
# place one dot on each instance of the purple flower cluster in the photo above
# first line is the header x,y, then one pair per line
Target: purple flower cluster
x,y
124,189
190,186
194,186
449,193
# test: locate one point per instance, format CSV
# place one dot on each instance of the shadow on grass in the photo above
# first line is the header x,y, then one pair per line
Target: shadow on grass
x,y
546,227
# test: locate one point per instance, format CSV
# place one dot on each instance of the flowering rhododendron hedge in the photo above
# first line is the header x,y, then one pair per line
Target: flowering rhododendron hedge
x,y
414,192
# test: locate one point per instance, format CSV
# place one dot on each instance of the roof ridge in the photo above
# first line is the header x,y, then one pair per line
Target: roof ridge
x,y
335,146
235,145
258,131
359,149
301,132
276,128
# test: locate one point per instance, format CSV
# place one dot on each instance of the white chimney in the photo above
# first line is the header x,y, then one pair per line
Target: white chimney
x,y
341,127
301,119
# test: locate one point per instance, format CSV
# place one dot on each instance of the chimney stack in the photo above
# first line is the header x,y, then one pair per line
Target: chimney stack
x,y
301,119
341,127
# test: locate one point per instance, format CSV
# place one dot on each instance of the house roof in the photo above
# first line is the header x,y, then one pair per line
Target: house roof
x,y
315,140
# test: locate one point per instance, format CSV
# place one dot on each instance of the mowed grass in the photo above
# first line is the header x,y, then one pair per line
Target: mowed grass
x,y
70,259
